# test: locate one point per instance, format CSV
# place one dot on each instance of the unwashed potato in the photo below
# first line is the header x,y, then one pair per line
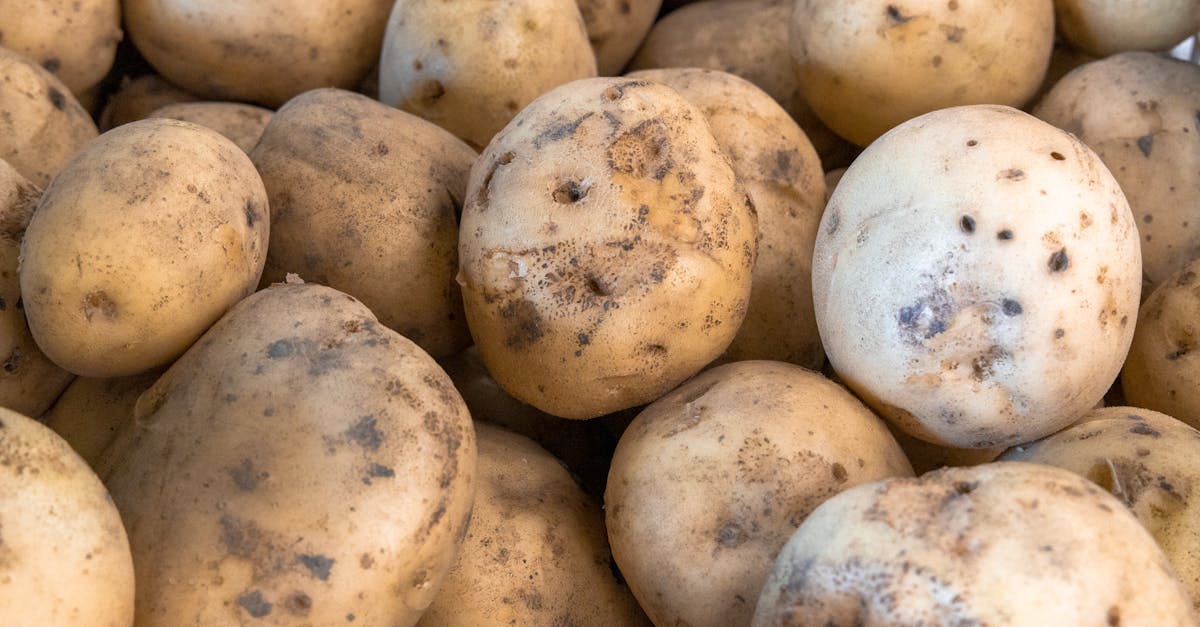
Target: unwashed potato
x,y
1137,110
782,174
616,28
865,66
64,556
1148,461
41,123
241,123
471,65
90,412
143,240
606,248
1006,544
989,298
926,457
710,481
1104,27
535,551
301,465
137,98
363,199
75,40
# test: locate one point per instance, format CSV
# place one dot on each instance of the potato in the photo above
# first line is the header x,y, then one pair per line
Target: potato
x,y
926,457
137,98
710,481
865,66
1007,544
76,41
242,124
615,29
832,178
1105,27
90,412
301,465
1138,112
606,248
363,200
782,173
140,243
535,551
990,297
470,66
1148,461
64,556
265,51
41,123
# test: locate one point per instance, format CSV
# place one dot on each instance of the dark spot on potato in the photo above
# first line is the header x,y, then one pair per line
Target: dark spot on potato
x,y
971,143
570,192
613,93
624,7
431,92
893,14
584,339
983,366
251,213
926,318
57,99
3,304
596,286
1146,144
1004,235
936,61
643,151
1143,452
254,604
484,188
1011,307
1179,352
379,471
299,604
318,566
965,487
12,363
365,434
833,221
1114,616
560,131
524,323
839,473
731,535
245,476
52,64
1012,174
366,561
279,349
1147,218
967,224
954,34
1059,333
1144,429
349,618
1057,156
99,303
1059,261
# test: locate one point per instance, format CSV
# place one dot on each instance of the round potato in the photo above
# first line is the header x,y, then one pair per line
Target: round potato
x,y
90,412
606,248
75,40
137,98
1105,27
241,123
710,481
139,245
990,297
64,555
616,28
926,457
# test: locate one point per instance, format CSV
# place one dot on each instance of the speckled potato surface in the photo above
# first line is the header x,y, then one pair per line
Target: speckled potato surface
x,y
709,482
990,297
90,412
1006,544
1105,27
241,123
64,555
1162,370
1137,110
137,98
301,465
615,29
606,248
75,40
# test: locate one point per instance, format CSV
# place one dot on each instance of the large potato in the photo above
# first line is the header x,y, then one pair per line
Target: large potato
x,y
1104,27
989,297
142,242
75,40
1162,370
606,248
301,465
242,124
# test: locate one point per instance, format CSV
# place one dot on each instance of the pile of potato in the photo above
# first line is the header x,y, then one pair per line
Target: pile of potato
x,y
540,312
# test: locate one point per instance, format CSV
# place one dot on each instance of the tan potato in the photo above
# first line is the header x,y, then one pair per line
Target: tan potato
x,y
90,412
41,123
782,173
535,551
241,123
865,66
470,66
710,481
1105,27
76,40
606,248
363,200
1138,112
136,98
142,242
615,29
1006,544
64,556
301,465
926,457
990,297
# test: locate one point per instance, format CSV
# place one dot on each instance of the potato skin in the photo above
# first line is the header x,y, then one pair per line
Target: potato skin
x,y
1106,27
64,555
75,40
240,123
606,248
615,29
91,412
137,98
300,464
1162,370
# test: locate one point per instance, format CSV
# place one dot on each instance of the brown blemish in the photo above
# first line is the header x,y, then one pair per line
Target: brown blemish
x,y
1059,261
98,303
254,604
569,192
1146,144
893,14
52,64
524,323
246,476
1114,616
731,535
1012,174
299,604
431,92
318,566
13,363
643,151
967,224
57,99
839,473
954,34
560,131
1057,156
365,434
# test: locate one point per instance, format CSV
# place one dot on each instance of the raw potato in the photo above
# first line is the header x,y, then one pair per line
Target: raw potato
x,y
606,248
1138,112
265,51
615,29
90,412
137,98
1148,461
865,66
75,40
1105,27
782,174
926,457
990,297
139,245
301,465
64,556
471,65
363,199
535,551
41,123
710,481
241,123
1005,544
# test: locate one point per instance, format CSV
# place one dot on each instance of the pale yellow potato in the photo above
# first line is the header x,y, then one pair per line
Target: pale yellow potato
x,y
90,412
1162,370
606,248
1137,110
710,481
865,66
363,200
471,65
300,465
1007,544
990,296
137,98
75,40
241,123
139,245
64,555
1105,27
615,29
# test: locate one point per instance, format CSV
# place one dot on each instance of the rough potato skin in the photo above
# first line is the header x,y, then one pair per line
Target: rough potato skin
x,y
301,465
1006,544
616,28
1106,27
606,248
75,40
241,123
1162,370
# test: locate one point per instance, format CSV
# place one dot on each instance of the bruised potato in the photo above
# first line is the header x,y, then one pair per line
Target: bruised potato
x,y
240,123
75,40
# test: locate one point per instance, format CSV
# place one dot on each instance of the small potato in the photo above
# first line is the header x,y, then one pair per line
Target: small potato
x,y
137,98
1105,27
710,481
926,457
241,123
75,40
615,29
90,412
1007,544
64,555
